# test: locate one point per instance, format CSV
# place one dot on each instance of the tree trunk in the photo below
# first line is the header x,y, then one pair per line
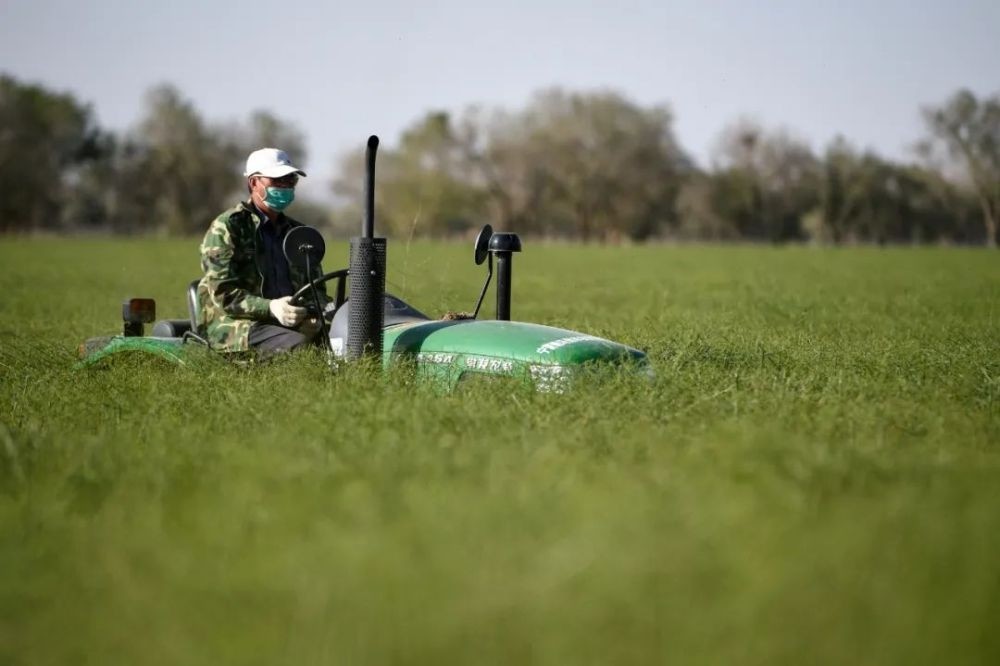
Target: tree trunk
x,y
990,220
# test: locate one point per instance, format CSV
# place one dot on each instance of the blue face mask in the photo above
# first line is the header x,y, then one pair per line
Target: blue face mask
x,y
278,198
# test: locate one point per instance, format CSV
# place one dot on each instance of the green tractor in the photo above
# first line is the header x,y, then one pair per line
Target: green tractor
x,y
368,322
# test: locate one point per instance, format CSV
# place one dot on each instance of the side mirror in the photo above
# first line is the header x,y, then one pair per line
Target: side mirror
x,y
304,248
482,252
483,244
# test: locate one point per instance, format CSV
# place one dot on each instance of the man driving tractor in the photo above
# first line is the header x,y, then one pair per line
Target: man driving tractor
x,y
245,293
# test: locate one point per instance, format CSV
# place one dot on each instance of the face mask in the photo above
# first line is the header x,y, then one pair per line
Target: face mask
x,y
278,198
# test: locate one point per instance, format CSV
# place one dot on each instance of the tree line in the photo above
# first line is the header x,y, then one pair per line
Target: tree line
x,y
173,172
583,165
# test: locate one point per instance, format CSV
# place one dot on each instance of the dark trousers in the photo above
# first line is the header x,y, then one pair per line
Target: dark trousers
x,y
269,339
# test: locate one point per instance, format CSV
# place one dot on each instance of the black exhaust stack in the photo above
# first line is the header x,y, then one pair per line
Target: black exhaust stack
x,y
367,271
503,245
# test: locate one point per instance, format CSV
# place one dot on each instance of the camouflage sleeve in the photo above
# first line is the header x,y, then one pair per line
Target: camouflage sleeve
x,y
225,285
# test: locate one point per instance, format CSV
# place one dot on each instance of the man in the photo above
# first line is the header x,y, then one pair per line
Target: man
x,y
244,295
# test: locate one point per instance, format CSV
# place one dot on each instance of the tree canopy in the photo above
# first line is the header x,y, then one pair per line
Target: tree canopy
x,y
589,165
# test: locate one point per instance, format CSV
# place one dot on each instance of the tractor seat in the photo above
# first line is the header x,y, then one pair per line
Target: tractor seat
x,y
192,299
182,328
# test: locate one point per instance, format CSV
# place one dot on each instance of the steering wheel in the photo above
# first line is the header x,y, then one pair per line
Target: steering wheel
x,y
301,297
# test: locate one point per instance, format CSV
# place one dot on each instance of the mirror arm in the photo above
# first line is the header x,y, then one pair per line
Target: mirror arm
x,y
482,294
323,331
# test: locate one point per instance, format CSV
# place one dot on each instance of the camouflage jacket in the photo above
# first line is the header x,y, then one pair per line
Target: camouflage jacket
x,y
230,296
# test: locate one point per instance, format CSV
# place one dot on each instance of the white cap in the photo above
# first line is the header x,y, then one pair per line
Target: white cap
x,y
272,163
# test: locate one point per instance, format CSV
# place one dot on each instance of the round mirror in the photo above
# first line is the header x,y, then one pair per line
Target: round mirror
x,y
301,243
483,244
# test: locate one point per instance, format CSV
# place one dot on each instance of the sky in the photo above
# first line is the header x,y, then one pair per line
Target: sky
x,y
341,71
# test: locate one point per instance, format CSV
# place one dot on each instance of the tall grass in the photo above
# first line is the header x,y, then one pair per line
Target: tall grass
x,y
812,477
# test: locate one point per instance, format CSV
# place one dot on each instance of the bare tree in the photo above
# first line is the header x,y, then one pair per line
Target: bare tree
x,y
266,130
969,128
766,181
594,165
45,137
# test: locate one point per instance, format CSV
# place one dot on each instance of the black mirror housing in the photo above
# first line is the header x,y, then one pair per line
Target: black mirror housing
x,y
304,247
482,246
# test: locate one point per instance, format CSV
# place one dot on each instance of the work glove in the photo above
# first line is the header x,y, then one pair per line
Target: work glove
x,y
286,313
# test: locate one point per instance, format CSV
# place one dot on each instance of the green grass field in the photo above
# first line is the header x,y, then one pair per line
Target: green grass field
x,y
813,476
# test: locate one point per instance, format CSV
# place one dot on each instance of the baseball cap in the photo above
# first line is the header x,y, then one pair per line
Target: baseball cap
x,y
272,163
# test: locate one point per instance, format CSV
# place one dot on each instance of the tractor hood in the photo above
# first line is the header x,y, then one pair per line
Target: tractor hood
x,y
516,341
549,355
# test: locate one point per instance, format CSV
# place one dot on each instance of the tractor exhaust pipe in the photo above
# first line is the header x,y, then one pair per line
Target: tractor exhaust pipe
x,y
367,271
503,245
368,221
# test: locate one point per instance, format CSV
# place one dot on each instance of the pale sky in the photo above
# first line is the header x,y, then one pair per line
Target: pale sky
x,y
341,71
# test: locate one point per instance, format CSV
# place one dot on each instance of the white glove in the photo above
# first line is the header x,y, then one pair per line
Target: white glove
x,y
286,313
